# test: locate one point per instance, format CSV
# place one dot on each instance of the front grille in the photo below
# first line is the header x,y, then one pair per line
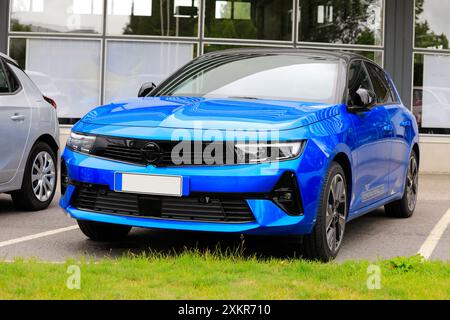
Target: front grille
x,y
133,151
123,153
199,208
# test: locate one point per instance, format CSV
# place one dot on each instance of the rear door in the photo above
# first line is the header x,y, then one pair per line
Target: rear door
x,y
15,122
371,143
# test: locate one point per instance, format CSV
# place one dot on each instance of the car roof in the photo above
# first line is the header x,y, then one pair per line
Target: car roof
x,y
9,59
322,53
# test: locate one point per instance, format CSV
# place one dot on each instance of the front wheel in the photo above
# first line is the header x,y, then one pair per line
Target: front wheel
x,y
404,208
326,240
98,231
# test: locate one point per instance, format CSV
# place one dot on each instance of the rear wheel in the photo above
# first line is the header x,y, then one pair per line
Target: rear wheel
x,y
98,231
39,180
326,240
404,208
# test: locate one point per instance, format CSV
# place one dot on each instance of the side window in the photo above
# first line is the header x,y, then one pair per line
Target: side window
x,y
4,87
381,84
391,88
12,79
357,78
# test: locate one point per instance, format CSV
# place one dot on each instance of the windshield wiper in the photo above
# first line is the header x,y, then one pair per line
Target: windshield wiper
x,y
243,97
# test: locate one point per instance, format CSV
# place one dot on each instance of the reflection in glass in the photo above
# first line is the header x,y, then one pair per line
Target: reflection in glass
x,y
249,19
211,47
147,17
129,64
338,21
304,78
432,28
431,93
69,16
376,56
69,73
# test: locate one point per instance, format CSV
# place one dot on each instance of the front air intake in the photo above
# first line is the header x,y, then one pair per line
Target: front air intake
x,y
286,194
216,208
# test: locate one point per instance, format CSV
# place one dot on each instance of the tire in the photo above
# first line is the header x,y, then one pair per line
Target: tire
x,y
404,208
331,215
39,179
98,231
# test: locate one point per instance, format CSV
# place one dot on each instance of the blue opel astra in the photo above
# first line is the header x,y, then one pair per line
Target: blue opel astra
x,y
266,142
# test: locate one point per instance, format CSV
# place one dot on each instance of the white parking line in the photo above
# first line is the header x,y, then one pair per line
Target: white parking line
x,y
427,248
36,236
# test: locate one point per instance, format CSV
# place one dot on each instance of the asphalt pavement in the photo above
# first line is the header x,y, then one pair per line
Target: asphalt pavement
x,y
52,236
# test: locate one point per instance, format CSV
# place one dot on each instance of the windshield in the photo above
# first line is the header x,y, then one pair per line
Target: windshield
x,y
258,76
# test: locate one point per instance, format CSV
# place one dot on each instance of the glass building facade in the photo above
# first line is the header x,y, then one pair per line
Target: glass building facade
x,y
89,52
431,77
84,53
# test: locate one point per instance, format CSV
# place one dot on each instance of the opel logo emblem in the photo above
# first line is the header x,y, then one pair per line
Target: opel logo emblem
x,y
151,152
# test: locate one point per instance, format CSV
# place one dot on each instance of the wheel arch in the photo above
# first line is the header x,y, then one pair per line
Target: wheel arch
x,y
344,161
48,139
416,149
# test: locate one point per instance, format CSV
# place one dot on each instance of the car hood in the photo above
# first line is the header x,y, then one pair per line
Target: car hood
x,y
206,113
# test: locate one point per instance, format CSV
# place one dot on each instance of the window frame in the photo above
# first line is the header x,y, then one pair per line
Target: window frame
x,y
3,67
386,82
2,70
7,66
347,88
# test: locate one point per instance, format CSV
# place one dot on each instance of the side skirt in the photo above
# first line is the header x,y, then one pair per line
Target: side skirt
x,y
362,211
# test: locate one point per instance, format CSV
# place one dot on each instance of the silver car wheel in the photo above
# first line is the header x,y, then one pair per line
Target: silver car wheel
x,y
336,213
43,176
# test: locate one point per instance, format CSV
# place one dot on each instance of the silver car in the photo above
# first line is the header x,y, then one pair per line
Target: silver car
x,y
29,139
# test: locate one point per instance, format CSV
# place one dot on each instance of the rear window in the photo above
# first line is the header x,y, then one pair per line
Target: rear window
x,y
4,86
8,80
380,84
14,84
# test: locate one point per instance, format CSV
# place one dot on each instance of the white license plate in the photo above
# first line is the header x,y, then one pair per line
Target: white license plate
x,y
149,184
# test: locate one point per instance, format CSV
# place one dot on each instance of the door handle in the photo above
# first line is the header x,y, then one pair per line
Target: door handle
x,y
18,117
387,128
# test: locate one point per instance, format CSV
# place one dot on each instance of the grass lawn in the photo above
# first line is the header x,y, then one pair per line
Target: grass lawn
x,y
194,275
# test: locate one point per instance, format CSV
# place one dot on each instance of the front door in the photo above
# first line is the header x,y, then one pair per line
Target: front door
x,y
371,150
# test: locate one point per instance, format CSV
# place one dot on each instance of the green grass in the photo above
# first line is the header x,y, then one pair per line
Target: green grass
x,y
195,275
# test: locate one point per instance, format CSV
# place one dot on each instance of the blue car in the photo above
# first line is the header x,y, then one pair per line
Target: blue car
x,y
263,142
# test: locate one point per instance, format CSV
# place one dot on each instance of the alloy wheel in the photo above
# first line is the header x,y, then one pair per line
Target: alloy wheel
x,y
412,183
43,176
336,213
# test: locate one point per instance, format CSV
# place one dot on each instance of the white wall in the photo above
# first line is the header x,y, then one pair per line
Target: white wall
x,y
435,154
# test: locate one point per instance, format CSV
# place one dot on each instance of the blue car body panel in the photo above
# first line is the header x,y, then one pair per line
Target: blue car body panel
x,y
376,145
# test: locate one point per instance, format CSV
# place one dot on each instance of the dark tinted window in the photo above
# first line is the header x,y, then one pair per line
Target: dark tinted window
x,y
357,78
12,79
4,87
380,84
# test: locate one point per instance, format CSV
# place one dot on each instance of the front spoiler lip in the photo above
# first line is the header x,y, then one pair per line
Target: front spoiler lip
x,y
292,228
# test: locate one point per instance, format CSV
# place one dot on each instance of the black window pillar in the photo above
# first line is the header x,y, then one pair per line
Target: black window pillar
x,y
399,37
4,18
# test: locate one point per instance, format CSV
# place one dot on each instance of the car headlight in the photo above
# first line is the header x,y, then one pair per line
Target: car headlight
x,y
80,142
256,152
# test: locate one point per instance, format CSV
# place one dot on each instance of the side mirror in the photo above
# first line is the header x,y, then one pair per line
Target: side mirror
x,y
363,99
145,89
